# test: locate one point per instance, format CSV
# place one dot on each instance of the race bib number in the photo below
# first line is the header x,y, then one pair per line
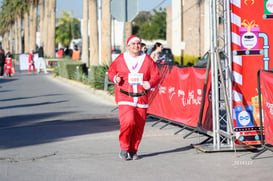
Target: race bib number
x,y
135,79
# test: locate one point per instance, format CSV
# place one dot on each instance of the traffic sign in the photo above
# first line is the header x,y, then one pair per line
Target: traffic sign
x,y
124,10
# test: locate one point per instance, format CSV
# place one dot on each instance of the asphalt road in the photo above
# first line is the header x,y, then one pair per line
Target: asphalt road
x,y
52,129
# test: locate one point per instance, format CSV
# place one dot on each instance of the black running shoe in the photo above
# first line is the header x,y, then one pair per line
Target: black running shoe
x,y
133,156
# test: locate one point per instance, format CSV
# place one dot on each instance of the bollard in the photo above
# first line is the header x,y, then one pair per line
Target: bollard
x,y
106,81
77,73
89,75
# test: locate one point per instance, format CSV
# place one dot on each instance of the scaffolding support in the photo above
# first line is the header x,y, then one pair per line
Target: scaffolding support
x,y
221,83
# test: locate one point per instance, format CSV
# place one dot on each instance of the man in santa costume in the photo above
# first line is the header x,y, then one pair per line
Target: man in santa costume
x,y
31,61
133,73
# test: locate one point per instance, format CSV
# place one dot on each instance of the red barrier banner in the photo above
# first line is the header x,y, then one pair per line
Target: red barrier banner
x,y
252,38
179,96
266,85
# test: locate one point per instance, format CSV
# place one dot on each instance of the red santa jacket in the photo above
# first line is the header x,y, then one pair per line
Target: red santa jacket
x,y
8,62
30,58
124,65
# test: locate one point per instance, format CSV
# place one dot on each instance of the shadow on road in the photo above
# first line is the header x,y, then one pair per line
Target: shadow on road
x,y
19,131
185,148
28,97
35,104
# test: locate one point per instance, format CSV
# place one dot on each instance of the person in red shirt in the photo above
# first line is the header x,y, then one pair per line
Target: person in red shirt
x,y
60,53
133,73
8,66
31,61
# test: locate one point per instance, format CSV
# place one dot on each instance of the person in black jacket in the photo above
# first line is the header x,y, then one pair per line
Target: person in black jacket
x,y
41,60
2,62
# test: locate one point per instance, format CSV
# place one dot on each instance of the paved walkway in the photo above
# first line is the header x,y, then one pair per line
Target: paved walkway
x,y
58,130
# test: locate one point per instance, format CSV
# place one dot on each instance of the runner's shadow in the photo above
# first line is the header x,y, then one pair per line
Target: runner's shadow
x,y
185,148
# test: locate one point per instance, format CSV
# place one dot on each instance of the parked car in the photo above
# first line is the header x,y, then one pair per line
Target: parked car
x,y
202,62
167,56
115,53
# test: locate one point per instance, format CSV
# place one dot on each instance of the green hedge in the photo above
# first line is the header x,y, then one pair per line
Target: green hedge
x,y
186,60
95,77
98,76
68,68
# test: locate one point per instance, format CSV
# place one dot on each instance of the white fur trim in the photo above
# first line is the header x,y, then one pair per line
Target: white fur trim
x,y
133,39
133,104
148,85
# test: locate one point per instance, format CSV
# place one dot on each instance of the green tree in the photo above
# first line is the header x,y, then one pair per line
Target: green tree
x,y
68,28
150,26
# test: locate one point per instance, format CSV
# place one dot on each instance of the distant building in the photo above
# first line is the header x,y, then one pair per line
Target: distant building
x,y
188,27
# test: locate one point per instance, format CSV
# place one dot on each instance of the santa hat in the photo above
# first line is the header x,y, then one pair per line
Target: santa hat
x,y
132,39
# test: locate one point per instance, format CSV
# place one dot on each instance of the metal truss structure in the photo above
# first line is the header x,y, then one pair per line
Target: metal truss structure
x,y
221,78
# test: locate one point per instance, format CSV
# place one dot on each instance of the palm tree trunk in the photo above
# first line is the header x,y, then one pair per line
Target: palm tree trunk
x,y
19,37
85,33
93,23
46,26
11,38
106,33
26,32
42,18
32,25
5,42
51,29
128,33
15,36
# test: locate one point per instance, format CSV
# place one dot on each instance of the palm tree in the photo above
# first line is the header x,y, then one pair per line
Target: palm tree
x,y
10,23
48,27
11,20
42,21
19,7
26,31
106,33
93,23
85,32
45,26
32,24
51,28
7,20
68,28
128,33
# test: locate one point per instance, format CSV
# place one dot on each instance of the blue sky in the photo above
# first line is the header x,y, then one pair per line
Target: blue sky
x,y
77,5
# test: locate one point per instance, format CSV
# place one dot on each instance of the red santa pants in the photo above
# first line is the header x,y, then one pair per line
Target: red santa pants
x,y
9,71
132,122
29,68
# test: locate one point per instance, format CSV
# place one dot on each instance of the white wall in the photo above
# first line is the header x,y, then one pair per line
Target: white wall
x,y
117,34
176,29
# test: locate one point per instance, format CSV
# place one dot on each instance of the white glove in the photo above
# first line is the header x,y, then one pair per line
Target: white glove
x,y
146,85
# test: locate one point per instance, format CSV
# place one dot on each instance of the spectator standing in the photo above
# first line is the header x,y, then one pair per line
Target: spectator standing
x,y
2,62
31,61
41,60
76,54
60,53
133,73
143,48
157,49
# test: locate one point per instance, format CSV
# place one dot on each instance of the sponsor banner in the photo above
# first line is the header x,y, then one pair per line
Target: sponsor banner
x,y
179,95
252,37
23,61
266,85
